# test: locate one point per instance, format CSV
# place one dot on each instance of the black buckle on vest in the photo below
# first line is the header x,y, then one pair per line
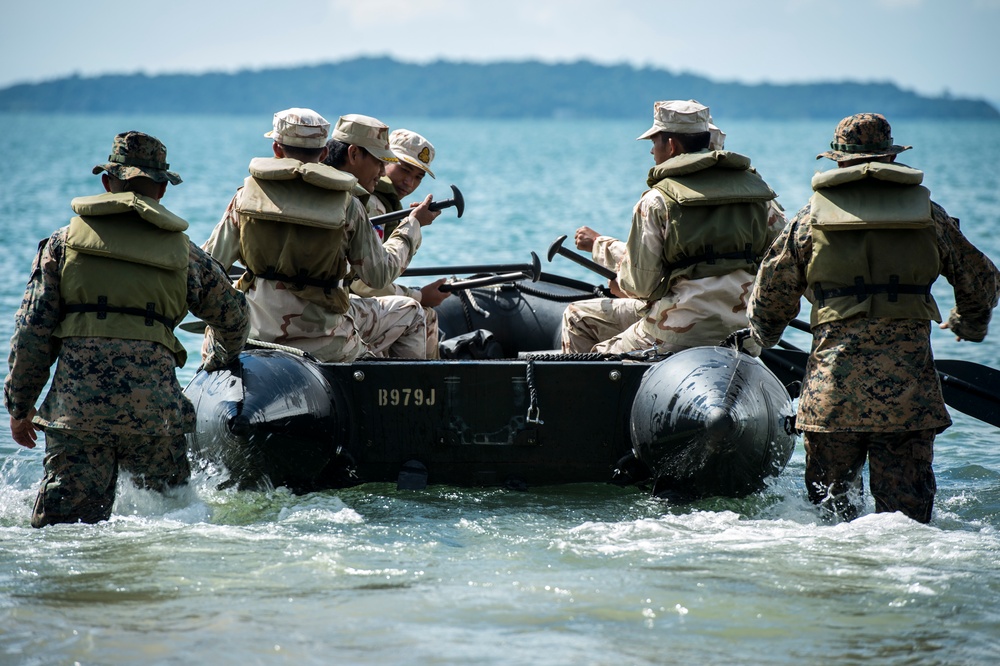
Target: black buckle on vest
x,y
861,291
102,307
302,280
710,257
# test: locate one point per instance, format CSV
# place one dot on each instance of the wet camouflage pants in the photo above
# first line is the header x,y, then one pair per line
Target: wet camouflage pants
x,y
587,323
81,470
899,466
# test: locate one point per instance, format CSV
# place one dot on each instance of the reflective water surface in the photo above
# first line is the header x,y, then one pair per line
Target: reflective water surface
x,y
581,574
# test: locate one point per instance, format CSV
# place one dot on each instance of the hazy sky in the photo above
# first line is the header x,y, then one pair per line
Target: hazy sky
x,y
925,45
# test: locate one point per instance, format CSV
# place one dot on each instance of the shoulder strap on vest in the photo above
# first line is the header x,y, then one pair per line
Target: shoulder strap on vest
x,y
286,168
123,202
884,171
873,195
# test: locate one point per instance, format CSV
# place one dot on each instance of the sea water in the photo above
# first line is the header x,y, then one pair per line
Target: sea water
x,y
579,574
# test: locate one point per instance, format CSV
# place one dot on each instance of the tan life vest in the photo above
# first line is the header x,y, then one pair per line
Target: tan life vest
x,y
292,228
125,273
875,248
385,191
717,213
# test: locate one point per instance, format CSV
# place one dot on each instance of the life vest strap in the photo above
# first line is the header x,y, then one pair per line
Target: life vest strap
x,y
861,290
149,314
711,257
302,279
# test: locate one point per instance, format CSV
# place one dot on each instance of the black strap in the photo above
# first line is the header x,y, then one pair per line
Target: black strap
x,y
861,291
149,314
302,279
710,257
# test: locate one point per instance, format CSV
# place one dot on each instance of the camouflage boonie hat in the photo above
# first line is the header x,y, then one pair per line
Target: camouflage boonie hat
x,y
137,154
300,128
413,149
366,132
679,117
863,135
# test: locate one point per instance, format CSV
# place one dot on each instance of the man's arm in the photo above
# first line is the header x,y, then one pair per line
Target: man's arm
x,y
32,348
781,281
971,274
224,243
376,264
641,271
212,298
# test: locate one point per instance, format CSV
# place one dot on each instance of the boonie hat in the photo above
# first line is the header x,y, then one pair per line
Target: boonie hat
x,y
303,128
366,132
411,148
862,135
681,117
717,140
135,154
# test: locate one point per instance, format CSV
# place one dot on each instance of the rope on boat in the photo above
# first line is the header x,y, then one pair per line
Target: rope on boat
x,y
533,414
651,354
251,342
468,300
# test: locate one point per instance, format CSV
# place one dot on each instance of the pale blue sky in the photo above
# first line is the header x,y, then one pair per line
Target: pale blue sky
x,y
924,45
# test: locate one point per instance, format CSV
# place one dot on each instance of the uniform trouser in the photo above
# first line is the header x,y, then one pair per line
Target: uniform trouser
x,y
899,467
431,317
431,320
392,326
81,471
587,323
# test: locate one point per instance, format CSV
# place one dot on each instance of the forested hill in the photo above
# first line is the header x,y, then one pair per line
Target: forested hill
x,y
387,87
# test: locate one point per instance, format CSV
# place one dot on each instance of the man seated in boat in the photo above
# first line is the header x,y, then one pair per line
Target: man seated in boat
x,y
696,239
298,228
384,190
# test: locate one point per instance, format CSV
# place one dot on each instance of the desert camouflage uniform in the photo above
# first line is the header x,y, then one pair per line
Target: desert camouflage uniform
x,y
870,384
112,402
615,325
377,206
388,325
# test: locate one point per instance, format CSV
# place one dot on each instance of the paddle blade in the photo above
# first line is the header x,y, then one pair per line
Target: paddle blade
x,y
971,388
788,365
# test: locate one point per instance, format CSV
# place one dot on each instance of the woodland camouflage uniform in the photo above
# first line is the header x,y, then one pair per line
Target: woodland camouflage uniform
x,y
113,402
871,389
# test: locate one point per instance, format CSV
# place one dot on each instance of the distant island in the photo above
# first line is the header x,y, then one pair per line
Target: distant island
x,y
387,87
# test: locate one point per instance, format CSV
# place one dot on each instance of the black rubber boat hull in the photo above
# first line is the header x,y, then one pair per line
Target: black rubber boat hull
x,y
707,421
720,427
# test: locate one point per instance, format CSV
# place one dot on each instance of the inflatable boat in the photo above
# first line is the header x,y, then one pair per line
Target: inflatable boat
x,y
502,409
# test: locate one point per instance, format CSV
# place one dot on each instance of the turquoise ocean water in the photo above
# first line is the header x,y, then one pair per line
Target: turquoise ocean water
x,y
588,574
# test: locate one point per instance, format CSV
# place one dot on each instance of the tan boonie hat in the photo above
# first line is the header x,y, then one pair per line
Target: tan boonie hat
x,y
135,154
302,128
718,138
862,135
366,132
412,148
681,117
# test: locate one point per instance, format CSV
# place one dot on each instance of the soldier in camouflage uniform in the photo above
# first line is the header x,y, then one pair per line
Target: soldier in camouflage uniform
x,y
686,269
104,296
865,251
299,228
398,180
586,323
